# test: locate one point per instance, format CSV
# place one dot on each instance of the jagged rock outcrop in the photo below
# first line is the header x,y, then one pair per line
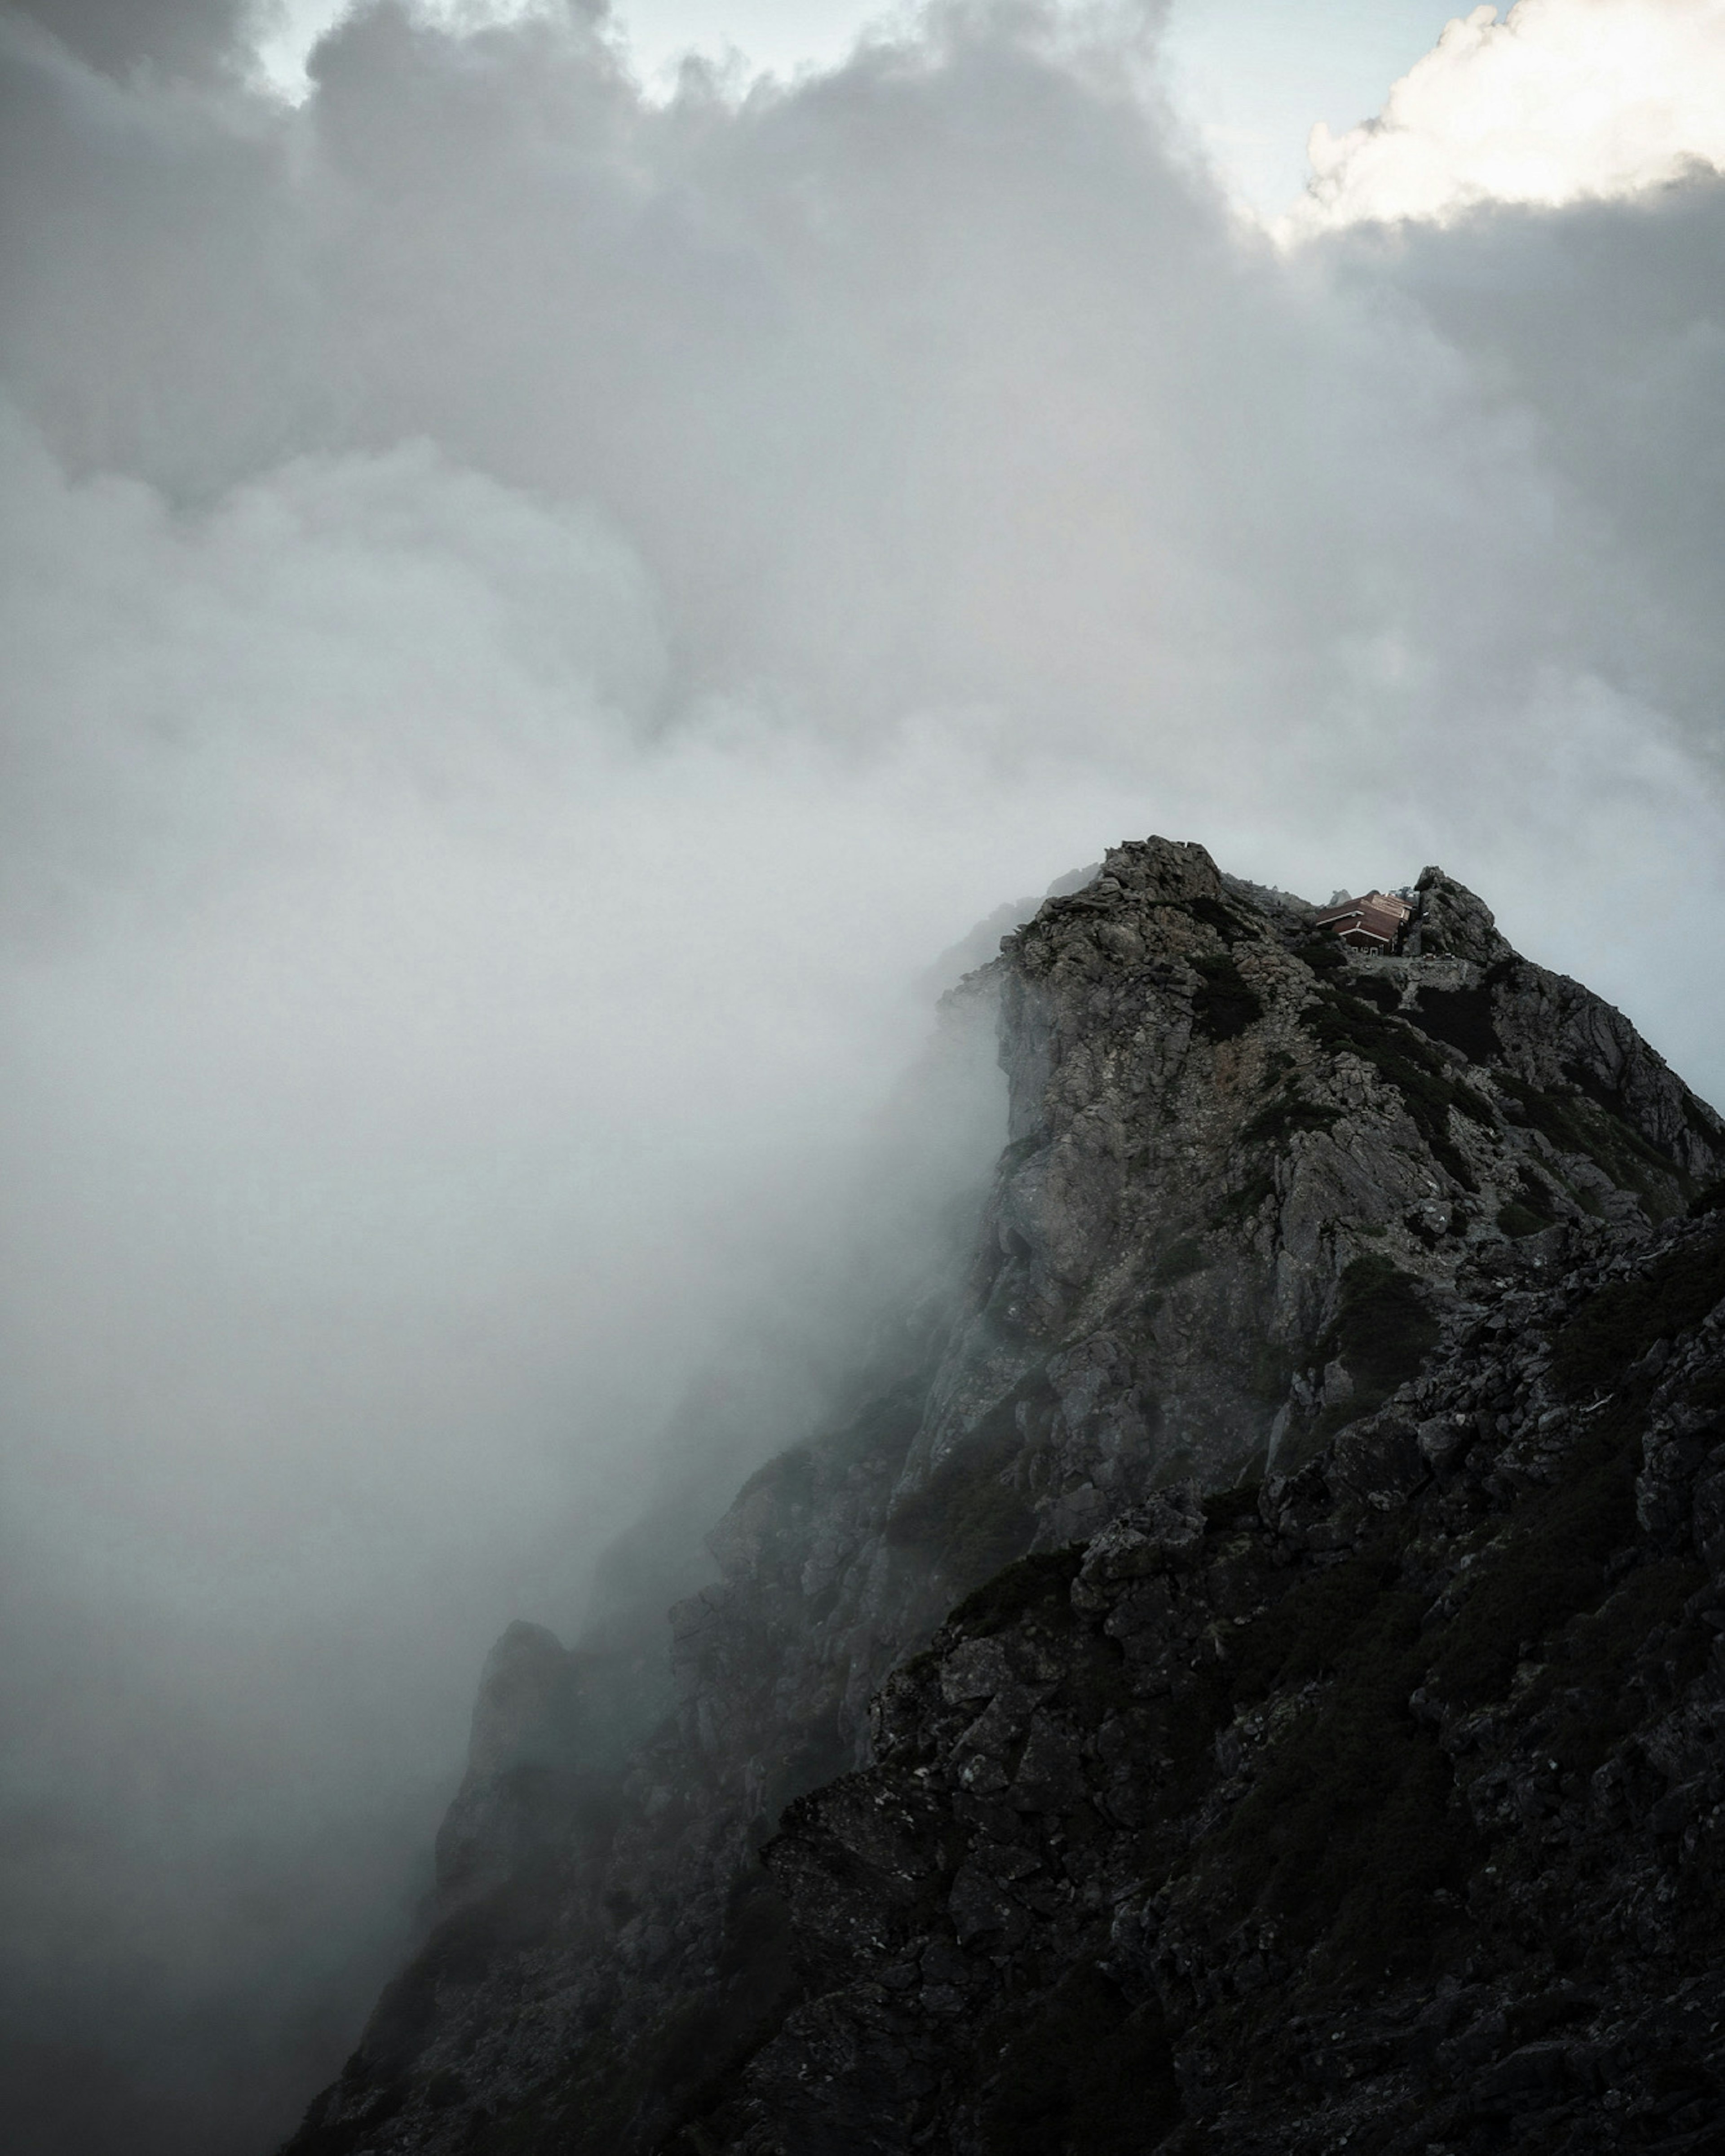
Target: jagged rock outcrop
x,y
1381,1805
1253,1185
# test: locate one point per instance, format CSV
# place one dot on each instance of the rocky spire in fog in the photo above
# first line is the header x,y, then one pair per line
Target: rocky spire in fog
x,y
1271,1810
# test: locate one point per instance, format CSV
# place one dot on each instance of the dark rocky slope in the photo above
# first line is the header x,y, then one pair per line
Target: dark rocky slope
x,y
1371,1802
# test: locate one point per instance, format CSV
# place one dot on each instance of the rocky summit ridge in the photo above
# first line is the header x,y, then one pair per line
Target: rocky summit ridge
x,y
1248,1680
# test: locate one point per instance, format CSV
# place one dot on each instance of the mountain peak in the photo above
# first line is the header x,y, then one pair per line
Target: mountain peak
x,y
1370,1238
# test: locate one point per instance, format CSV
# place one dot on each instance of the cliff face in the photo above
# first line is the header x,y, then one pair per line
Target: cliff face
x,y
1381,1805
1188,1787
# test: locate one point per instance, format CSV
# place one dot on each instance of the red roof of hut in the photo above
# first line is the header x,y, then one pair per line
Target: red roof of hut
x,y
1371,922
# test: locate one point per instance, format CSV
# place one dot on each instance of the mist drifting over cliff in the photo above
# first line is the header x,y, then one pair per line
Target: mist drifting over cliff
x,y
535,614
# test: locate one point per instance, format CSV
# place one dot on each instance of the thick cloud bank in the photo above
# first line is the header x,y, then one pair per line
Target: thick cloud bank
x,y
534,617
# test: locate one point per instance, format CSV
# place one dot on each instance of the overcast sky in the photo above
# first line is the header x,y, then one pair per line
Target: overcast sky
x,y
541,593
1253,77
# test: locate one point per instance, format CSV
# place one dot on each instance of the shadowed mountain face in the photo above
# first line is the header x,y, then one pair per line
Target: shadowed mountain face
x,y
1011,1789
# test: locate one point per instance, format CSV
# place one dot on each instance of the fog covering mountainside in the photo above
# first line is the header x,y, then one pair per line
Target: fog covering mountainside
x,y
535,606
1242,1676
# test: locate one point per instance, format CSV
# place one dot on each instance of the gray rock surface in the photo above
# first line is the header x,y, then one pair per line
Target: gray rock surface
x,y
1271,1214
1379,1805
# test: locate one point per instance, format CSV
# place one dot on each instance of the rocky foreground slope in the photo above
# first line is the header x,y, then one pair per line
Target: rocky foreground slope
x,y
1253,1686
